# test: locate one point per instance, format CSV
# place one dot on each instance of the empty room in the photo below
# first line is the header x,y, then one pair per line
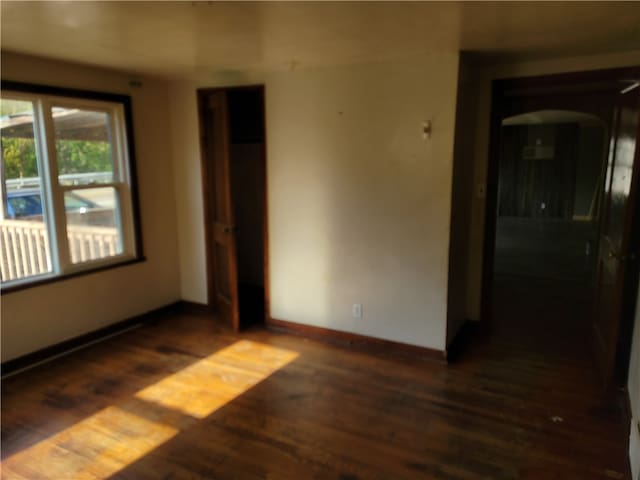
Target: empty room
x,y
341,240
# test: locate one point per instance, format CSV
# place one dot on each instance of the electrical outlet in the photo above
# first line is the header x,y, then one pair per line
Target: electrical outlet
x,y
356,310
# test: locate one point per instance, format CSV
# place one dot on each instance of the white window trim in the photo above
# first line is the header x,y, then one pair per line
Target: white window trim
x,y
54,214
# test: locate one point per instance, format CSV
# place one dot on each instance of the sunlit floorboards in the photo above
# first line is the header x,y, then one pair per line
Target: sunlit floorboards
x,y
186,398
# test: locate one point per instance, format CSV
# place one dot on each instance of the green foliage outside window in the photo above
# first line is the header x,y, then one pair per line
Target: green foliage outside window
x,y
19,155
74,156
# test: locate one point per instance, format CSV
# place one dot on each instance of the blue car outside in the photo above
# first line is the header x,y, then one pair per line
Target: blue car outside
x,y
28,203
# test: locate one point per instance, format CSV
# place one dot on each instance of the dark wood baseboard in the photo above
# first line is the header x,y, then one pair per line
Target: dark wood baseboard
x,y
354,340
469,331
48,353
195,308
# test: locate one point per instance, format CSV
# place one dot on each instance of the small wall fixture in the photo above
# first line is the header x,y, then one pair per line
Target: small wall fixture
x,y
426,129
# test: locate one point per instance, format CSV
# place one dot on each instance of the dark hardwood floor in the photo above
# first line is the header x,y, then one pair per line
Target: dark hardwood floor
x,y
186,398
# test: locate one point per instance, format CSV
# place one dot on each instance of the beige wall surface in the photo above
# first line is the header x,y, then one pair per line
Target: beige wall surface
x,y
462,189
359,203
185,144
48,314
481,92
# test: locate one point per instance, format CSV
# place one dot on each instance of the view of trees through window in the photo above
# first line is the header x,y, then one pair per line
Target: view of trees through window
x,y
90,183
74,156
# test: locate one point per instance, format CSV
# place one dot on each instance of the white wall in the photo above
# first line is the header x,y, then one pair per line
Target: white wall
x,y
48,314
359,203
634,396
185,144
481,91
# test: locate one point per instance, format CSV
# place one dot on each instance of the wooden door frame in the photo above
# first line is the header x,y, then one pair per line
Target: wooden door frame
x,y
631,278
502,90
208,198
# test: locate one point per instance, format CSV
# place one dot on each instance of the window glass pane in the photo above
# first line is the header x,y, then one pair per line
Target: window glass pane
x,y
93,224
24,237
83,146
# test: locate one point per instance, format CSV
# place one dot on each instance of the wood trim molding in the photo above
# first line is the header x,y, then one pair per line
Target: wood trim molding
x,y
208,190
126,102
4,289
67,346
195,308
354,340
505,91
467,333
265,212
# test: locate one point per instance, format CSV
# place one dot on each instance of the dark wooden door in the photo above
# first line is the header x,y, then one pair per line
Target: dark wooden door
x,y
223,290
616,255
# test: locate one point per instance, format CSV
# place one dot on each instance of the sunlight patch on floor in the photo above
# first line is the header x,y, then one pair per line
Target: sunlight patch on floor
x,y
96,447
115,437
203,387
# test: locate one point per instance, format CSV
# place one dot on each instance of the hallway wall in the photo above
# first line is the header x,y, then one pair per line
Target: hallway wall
x,y
484,74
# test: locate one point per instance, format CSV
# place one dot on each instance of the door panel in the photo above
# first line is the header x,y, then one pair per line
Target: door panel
x,y
223,258
615,253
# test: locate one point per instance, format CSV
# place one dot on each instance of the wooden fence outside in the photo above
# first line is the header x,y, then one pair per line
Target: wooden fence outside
x,y
25,247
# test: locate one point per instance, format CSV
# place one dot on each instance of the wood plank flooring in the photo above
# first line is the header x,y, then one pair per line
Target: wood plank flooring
x,y
185,398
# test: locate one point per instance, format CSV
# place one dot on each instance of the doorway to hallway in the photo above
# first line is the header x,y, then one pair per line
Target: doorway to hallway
x,y
559,265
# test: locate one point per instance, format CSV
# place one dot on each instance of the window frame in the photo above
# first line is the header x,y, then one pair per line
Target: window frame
x,y
124,181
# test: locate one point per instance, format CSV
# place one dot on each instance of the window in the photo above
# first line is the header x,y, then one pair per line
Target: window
x,y
66,178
